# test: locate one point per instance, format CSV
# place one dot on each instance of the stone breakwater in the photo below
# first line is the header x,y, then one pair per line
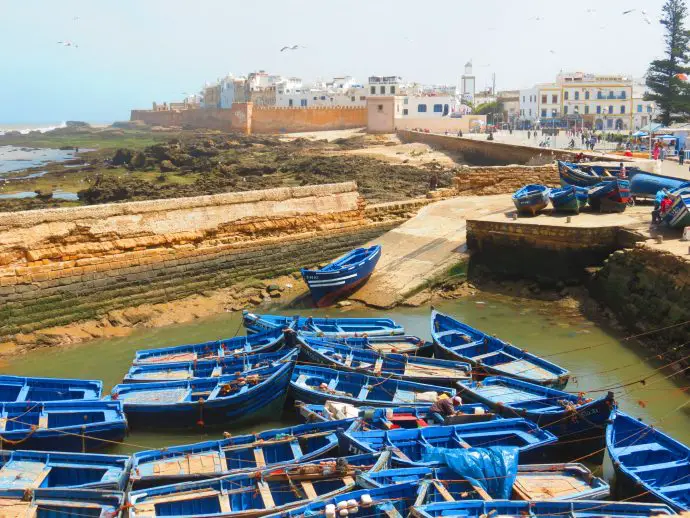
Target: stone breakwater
x,y
61,266
482,181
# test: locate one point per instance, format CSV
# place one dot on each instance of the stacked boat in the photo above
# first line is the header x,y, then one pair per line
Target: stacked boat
x,y
377,439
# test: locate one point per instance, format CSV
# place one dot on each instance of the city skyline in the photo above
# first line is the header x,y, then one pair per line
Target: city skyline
x,y
126,55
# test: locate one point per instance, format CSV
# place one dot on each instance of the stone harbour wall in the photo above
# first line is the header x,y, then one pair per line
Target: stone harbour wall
x,y
482,181
648,289
60,266
548,254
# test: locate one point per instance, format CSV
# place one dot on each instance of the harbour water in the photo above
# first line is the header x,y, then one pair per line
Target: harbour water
x,y
597,358
13,158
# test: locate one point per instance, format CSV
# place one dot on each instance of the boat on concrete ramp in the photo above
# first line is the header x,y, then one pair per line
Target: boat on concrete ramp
x,y
289,445
373,363
14,389
243,364
77,426
578,421
410,446
24,469
570,198
526,509
206,401
342,277
531,199
264,342
316,385
255,493
490,356
323,327
648,464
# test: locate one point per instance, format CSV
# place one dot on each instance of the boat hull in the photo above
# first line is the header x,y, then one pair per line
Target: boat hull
x,y
679,214
327,286
531,199
568,199
644,184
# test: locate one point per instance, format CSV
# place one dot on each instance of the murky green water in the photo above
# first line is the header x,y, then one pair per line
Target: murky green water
x,y
595,357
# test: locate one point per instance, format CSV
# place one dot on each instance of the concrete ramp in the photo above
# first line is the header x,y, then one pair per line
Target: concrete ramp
x,y
424,247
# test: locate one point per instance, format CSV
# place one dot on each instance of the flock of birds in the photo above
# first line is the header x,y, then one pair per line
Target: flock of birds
x,y
645,17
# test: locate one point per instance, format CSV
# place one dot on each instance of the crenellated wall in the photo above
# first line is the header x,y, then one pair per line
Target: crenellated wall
x,y
59,266
247,118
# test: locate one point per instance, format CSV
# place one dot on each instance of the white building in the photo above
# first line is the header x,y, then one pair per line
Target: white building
x,y
341,91
643,111
529,105
425,106
384,85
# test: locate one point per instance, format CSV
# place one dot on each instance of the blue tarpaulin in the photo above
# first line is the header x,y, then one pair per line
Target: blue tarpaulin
x,y
493,469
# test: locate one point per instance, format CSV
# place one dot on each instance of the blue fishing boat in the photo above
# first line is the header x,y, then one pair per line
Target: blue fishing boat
x,y
648,464
343,276
611,196
289,445
17,388
532,198
373,363
323,327
263,342
587,175
520,482
205,401
392,418
61,425
24,469
240,364
400,344
61,503
646,185
385,502
569,508
570,198
678,215
320,384
255,493
409,446
571,417
488,355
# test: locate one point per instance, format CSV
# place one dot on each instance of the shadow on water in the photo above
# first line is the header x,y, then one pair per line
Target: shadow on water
x,y
594,354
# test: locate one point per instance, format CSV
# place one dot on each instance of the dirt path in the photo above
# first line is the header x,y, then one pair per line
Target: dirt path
x,y
424,247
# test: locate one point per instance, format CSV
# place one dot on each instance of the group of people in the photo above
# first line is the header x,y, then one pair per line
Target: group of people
x,y
662,204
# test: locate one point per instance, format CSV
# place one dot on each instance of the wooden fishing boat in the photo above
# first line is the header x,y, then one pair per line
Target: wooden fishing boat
x,y
206,401
570,198
61,503
392,418
325,327
400,344
648,464
531,198
17,388
24,469
571,417
231,455
61,425
384,502
532,482
488,355
373,363
646,185
678,215
587,175
320,384
252,494
263,342
343,276
610,196
240,364
569,508
408,446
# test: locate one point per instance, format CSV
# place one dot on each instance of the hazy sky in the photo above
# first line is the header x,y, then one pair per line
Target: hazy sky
x,y
132,52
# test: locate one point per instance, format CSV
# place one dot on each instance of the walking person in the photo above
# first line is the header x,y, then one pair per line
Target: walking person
x,y
681,155
529,134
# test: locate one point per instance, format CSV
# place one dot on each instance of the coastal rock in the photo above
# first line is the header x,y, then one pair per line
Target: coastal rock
x,y
167,166
343,304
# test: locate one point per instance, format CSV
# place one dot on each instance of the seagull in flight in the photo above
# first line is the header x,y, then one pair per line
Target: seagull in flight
x,y
68,43
629,11
537,18
293,47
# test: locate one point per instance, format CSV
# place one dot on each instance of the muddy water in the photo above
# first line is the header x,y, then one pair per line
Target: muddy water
x,y
596,357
